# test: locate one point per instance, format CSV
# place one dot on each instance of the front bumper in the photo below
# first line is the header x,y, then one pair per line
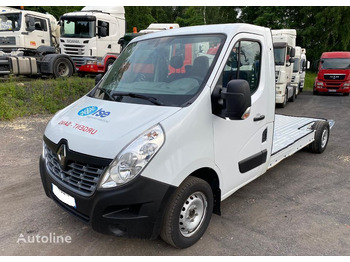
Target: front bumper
x,y
331,90
132,210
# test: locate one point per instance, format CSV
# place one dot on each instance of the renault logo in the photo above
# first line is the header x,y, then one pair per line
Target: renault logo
x,y
62,156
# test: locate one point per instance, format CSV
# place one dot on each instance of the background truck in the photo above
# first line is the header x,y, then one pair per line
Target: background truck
x,y
299,67
333,73
29,45
284,42
90,37
152,152
152,28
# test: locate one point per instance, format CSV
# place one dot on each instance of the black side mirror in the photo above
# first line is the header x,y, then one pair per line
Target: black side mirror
x,y
291,60
237,100
292,52
30,21
98,78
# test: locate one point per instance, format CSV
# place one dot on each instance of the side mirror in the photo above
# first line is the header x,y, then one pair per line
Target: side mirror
x,y
237,100
98,78
30,21
292,52
291,60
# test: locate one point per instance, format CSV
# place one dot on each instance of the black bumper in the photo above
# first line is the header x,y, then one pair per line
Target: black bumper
x,y
133,210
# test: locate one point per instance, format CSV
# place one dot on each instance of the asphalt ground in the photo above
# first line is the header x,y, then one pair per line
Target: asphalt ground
x,y
299,207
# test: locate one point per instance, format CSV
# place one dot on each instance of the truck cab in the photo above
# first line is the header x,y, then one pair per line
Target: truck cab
x,y
182,120
284,41
25,31
299,67
333,73
90,37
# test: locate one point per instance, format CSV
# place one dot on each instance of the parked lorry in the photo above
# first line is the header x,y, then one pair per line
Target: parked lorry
x,y
333,73
151,152
284,42
90,37
152,28
299,67
29,45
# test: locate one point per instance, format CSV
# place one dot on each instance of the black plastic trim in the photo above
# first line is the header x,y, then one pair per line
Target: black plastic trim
x,y
252,162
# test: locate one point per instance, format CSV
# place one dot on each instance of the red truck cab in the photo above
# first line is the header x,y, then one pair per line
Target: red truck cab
x,y
333,73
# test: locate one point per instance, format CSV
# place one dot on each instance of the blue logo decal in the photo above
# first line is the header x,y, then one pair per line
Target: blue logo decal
x,y
94,111
87,110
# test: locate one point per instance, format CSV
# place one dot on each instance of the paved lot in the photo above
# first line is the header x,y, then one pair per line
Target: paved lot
x,y
300,207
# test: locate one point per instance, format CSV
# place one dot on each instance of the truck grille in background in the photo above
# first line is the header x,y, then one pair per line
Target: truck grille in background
x,y
78,61
332,85
334,76
80,178
74,49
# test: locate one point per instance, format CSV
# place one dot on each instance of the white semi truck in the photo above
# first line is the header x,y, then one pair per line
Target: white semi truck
x,y
182,120
29,45
284,42
90,37
299,68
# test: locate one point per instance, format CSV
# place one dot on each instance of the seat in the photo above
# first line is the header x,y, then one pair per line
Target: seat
x,y
200,66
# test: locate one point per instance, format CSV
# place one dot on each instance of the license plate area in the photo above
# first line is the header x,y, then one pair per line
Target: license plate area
x,y
63,196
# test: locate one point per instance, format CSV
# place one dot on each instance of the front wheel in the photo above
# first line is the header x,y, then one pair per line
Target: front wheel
x,y
188,213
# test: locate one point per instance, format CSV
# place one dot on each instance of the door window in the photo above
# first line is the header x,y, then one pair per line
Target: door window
x,y
243,63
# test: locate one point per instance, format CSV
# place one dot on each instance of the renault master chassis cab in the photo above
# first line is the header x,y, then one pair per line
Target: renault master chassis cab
x,y
148,152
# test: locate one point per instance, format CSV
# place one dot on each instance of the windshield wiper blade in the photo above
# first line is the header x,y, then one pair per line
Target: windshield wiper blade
x,y
153,100
107,93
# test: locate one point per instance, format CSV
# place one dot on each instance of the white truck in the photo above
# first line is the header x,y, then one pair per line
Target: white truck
x,y
284,42
299,68
90,37
156,27
154,151
29,45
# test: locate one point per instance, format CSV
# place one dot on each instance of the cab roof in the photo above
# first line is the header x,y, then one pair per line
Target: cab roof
x,y
336,55
228,29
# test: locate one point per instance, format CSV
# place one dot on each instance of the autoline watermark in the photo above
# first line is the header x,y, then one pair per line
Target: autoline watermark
x,y
51,238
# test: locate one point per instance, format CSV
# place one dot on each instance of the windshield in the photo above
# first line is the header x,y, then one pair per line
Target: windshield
x,y
280,56
335,63
166,71
78,28
296,66
10,22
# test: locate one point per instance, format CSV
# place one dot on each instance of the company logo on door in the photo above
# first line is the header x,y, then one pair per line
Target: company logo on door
x,y
93,111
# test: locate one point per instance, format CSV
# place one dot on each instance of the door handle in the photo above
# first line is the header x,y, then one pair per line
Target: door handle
x,y
259,118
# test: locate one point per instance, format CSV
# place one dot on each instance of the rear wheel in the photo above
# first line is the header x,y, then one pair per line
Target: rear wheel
x,y
321,137
188,213
62,67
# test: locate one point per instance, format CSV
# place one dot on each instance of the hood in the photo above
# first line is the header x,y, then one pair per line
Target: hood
x,y
103,128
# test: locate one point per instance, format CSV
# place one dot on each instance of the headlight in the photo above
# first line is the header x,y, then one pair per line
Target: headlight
x,y
130,162
91,62
319,84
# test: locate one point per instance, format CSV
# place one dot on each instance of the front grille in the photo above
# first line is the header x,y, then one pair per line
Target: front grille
x,y
80,178
332,85
78,61
334,76
74,49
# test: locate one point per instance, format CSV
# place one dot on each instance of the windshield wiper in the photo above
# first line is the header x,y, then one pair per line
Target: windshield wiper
x,y
151,99
107,93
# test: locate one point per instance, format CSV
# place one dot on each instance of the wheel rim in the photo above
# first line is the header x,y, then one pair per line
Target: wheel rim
x,y
324,138
192,214
63,69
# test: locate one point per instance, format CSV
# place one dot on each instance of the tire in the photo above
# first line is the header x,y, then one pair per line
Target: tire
x,y
188,213
293,97
62,67
345,94
314,92
109,63
321,137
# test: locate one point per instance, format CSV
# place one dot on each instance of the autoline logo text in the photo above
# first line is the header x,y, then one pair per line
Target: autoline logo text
x,y
93,111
